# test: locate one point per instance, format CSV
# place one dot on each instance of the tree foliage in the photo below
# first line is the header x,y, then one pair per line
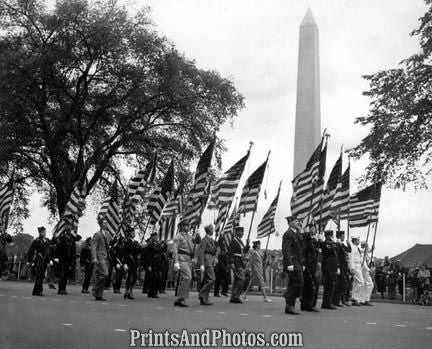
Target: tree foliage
x,y
399,142
87,86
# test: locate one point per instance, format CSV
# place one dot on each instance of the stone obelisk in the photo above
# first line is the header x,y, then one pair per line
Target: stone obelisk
x,y
308,115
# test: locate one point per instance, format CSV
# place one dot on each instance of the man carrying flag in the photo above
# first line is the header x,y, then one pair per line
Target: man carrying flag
x,y
236,256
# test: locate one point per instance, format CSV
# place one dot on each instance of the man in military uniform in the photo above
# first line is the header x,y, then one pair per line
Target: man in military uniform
x,y
183,250
116,256
86,264
368,283
310,282
222,271
152,263
354,262
342,283
66,254
292,252
206,262
130,262
37,257
236,257
330,269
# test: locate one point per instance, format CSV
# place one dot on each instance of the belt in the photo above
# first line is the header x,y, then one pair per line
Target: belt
x,y
185,253
210,253
238,255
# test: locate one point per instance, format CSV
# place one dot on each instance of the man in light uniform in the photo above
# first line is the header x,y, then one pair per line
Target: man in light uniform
x,y
207,258
368,283
182,254
354,262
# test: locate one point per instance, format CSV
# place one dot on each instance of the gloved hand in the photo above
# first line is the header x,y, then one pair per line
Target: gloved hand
x,y
337,271
303,268
95,261
56,260
202,268
176,266
51,262
117,266
149,269
290,268
125,267
28,263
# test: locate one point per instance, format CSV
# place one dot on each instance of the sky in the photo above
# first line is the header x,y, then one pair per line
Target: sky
x,y
255,44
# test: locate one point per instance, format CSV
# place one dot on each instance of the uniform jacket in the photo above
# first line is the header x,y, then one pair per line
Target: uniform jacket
x,y
330,260
131,249
185,247
343,251
85,257
66,248
38,251
355,257
292,250
310,253
236,252
153,255
207,251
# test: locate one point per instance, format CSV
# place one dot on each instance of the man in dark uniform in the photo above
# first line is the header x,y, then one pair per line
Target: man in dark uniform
x,y
222,271
116,251
206,260
236,257
292,252
130,261
152,262
342,283
86,264
164,267
330,269
310,282
66,254
37,257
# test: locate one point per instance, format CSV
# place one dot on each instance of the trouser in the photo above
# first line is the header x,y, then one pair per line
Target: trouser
x,y
392,290
223,279
329,281
40,273
101,274
358,283
185,277
63,276
207,283
118,278
341,287
349,287
256,278
154,281
294,288
310,289
132,275
87,276
367,286
237,287
109,274
147,279
163,280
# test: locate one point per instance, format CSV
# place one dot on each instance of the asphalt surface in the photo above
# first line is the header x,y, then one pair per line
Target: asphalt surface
x,y
77,321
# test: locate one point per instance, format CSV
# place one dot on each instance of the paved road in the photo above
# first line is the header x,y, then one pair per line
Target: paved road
x,y
76,321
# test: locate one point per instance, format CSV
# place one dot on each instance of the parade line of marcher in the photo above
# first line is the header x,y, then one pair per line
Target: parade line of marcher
x,y
344,260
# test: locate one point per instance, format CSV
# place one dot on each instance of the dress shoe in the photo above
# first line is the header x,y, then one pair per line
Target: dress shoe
x,y
40,294
355,304
346,304
62,292
225,294
129,296
85,291
367,303
100,299
291,311
117,291
331,307
312,310
267,300
217,295
339,305
51,287
180,303
203,302
236,301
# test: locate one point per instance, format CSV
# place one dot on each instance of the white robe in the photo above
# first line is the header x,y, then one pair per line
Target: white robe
x,y
354,262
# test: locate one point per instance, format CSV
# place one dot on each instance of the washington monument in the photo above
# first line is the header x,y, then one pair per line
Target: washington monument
x,y
308,115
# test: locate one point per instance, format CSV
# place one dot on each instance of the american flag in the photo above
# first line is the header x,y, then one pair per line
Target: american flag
x,y
341,201
111,210
175,205
334,186
267,226
226,186
251,189
221,218
167,228
161,195
6,196
308,186
75,208
199,194
230,225
364,206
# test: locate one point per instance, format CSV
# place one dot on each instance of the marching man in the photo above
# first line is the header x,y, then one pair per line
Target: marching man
x,y
355,266
368,283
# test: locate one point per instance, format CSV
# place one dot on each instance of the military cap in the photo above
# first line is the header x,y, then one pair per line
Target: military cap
x,y
339,233
355,237
238,229
208,228
40,229
256,242
328,233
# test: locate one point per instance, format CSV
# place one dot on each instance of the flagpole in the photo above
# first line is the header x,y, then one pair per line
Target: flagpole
x,y
373,243
367,239
145,230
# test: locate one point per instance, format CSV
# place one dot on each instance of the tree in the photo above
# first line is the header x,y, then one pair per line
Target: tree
x,y
86,86
399,142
